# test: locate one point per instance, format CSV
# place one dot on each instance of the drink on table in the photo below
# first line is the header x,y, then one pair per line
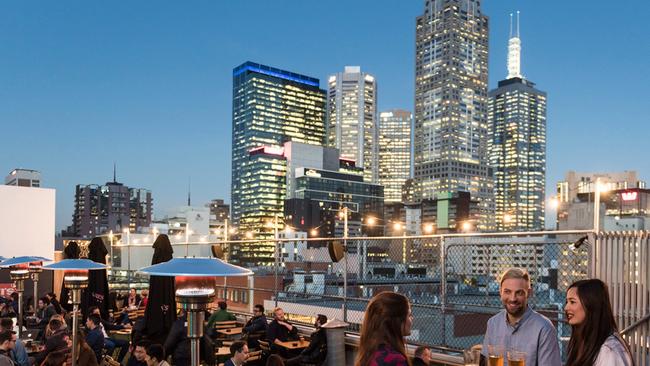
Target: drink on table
x,y
472,357
516,358
495,355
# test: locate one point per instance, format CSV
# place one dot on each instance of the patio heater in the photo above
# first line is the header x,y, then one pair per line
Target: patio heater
x,y
195,280
19,272
35,269
75,279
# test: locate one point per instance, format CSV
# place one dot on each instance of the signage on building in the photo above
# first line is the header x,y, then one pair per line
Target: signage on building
x,y
629,196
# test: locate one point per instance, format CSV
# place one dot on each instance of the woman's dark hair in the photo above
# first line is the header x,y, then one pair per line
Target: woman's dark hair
x,y
156,351
383,323
599,324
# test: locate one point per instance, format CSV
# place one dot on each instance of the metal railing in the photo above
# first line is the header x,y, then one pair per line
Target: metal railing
x,y
451,279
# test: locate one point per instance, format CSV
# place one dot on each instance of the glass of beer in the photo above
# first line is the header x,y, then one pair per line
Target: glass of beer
x,y
516,358
472,357
495,355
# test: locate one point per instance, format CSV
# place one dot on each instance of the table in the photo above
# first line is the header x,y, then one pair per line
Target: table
x,y
223,351
34,349
230,331
294,344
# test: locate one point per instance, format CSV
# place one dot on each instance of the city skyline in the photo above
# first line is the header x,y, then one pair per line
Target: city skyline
x,y
167,87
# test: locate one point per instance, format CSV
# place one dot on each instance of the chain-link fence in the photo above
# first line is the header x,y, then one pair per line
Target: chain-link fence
x,y
452,281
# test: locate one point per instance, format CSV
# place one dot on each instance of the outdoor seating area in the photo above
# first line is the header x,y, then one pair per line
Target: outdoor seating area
x,y
186,314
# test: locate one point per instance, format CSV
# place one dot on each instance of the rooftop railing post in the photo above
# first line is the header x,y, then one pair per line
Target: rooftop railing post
x,y
277,258
345,264
443,288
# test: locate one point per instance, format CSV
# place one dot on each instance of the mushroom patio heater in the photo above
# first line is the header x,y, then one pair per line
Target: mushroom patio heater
x,y
35,269
195,289
75,279
19,272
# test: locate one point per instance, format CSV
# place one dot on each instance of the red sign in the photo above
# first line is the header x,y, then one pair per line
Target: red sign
x,y
6,289
629,196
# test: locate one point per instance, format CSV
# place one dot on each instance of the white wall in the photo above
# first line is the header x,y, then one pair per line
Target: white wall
x,y
27,221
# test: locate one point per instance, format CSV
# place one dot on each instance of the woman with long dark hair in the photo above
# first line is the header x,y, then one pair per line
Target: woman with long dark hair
x,y
594,334
387,321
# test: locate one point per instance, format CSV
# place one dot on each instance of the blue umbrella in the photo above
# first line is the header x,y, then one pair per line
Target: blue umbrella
x,y
75,265
22,260
196,267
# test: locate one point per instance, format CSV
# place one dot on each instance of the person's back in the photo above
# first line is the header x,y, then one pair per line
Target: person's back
x,y
220,315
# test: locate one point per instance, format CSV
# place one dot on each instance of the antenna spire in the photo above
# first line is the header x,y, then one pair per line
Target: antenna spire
x,y
510,25
514,52
114,173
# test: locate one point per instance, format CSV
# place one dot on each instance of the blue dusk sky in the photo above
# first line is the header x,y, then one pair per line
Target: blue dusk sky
x,y
147,84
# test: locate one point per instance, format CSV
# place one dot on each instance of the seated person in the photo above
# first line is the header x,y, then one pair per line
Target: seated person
x,y
255,328
44,312
109,342
316,352
139,354
280,330
58,341
95,337
156,355
144,298
239,352
220,315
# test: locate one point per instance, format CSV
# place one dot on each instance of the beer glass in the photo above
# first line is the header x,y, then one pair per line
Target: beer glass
x,y
495,355
516,358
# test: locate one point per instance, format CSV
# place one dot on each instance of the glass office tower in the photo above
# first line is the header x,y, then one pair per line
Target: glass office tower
x,y
451,77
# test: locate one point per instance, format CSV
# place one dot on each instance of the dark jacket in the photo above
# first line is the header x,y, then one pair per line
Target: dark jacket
x,y
178,345
45,314
317,349
134,362
256,324
418,362
279,331
95,339
229,363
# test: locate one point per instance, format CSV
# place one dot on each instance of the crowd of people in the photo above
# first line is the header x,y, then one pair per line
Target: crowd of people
x,y
388,320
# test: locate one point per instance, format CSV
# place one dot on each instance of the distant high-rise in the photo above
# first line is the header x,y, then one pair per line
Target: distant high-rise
x,y
115,207
352,118
451,76
23,178
517,145
269,107
394,152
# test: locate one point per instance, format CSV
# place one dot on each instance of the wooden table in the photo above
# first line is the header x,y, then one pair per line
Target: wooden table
x,y
34,349
294,344
223,351
230,331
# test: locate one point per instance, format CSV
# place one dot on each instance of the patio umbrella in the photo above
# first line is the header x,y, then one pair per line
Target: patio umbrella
x,y
160,313
71,251
97,292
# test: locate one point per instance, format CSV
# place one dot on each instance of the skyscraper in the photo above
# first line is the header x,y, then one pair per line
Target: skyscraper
x,y
517,145
352,118
394,152
269,107
451,76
